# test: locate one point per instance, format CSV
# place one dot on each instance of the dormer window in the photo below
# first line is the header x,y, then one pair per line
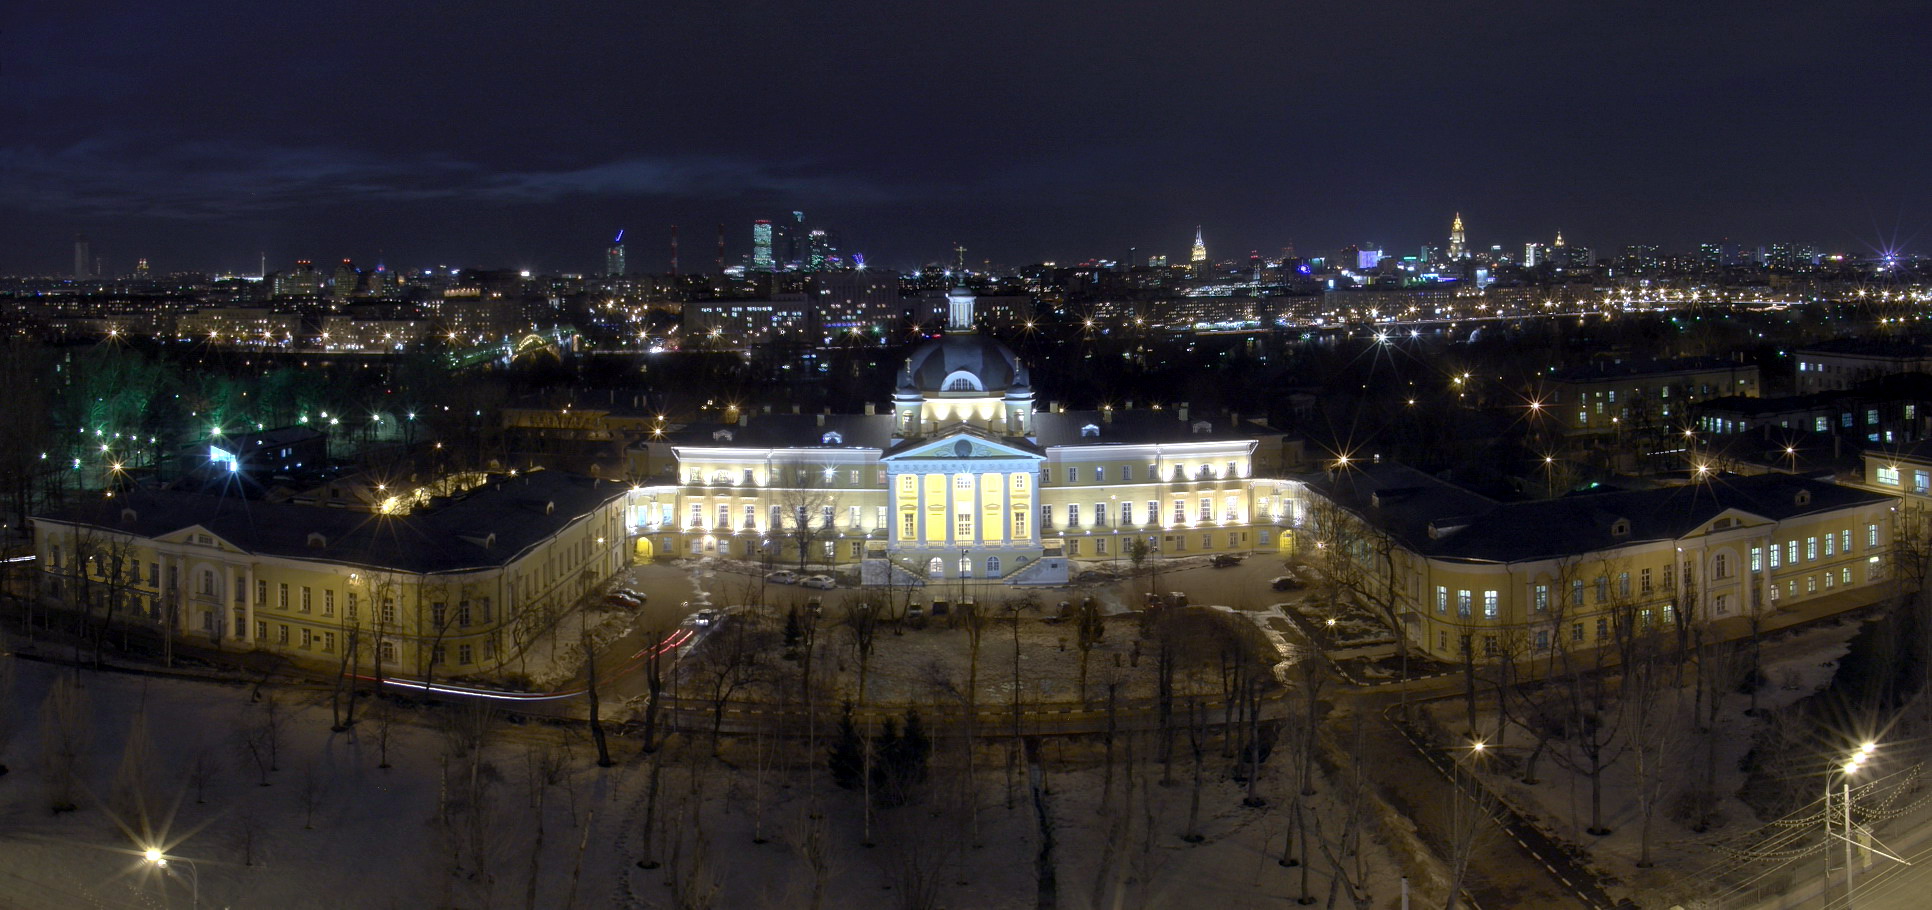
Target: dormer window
x,y
1803,498
832,439
1620,528
1089,430
1202,426
721,436
317,540
961,381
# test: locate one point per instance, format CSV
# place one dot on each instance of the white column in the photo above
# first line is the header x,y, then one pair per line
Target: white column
x,y
248,603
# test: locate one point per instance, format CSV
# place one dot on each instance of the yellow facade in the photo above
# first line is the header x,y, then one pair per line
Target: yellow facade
x,y
213,591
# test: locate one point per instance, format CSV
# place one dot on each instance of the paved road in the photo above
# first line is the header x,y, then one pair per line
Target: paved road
x,y
1510,866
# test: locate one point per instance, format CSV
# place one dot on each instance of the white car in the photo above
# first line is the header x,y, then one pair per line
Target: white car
x,y
822,582
783,577
705,617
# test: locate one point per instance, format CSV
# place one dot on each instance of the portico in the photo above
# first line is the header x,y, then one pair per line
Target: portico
x,y
963,505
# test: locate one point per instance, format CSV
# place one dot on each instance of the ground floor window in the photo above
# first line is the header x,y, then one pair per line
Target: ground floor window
x,y
992,567
936,568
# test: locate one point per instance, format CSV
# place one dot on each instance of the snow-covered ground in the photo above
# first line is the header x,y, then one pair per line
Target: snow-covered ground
x,y
332,829
1794,667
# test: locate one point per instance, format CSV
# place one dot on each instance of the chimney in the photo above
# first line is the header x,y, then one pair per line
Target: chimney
x,y
821,419
1183,409
794,409
744,418
768,409
869,409
1107,414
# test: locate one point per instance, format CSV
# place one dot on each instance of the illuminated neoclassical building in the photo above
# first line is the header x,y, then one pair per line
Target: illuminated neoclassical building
x,y
965,479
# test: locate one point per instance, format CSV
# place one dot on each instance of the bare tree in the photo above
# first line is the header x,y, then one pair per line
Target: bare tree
x,y
310,795
730,658
1092,629
66,730
590,690
814,850
808,506
133,790
1363,564
202,772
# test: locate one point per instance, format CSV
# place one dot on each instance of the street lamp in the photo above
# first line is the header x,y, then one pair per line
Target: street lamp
x,y
1852,763
153,856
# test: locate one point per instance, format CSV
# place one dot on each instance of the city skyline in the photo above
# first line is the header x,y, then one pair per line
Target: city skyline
x,y
1025,127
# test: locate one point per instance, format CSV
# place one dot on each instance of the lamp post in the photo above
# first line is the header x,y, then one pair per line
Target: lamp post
x,y
159,860
1849,768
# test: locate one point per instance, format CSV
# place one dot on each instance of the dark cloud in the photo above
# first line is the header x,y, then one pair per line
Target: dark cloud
x,y
198,133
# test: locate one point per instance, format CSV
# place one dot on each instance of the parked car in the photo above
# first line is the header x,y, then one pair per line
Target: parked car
x,y
822,582
1286,583
1224,560
915,611
633,593
783,577
815,606
621,599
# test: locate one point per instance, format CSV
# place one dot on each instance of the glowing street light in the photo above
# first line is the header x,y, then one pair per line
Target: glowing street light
x,y
154,857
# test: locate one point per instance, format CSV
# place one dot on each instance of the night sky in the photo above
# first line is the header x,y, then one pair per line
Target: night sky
x,y
523,135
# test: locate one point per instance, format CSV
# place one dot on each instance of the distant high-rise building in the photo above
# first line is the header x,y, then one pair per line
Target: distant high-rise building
x,y
83,257
1642,257
1157,262
344,285
789,241
1534,254
141,269
379,280
1457,248
1198,257
819,250
1367,260
302,281
614,257
761,259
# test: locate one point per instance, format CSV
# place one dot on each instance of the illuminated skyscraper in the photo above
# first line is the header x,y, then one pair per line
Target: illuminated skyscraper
x,y
141,269
1457,248
1197,260
761,245
614,257
83,257
819,249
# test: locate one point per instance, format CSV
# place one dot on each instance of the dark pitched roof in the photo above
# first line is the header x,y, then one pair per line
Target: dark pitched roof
x,y
1142,426
1617,369
450,537
1868,347
1408,503
791,431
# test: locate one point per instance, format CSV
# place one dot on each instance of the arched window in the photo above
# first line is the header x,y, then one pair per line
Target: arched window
x,y
936,568
832,439
961,381
1090,430
965,567
992,567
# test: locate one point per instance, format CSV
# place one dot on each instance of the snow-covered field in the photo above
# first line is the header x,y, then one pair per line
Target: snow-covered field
x,y
1794,667
448,826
